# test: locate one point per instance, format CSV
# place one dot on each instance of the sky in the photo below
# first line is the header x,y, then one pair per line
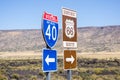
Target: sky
x,y
27,14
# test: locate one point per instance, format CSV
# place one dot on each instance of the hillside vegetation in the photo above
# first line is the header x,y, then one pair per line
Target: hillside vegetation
x,y
90,39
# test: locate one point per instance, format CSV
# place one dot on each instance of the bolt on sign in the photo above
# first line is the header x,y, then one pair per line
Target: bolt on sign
x,y
70,60
69,24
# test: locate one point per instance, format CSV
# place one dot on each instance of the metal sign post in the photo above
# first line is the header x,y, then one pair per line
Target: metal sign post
x,y
47,75
69,72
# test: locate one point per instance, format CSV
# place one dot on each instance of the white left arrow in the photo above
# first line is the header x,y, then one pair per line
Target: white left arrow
x,y
48,60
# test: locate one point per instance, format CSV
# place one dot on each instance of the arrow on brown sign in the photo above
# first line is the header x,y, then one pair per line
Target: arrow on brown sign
x,y
71,59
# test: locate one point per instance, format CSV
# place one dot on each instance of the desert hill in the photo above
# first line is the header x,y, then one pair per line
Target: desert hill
x,y
90,39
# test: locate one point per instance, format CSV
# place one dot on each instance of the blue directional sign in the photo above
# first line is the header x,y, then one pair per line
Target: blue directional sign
x,y
50,29
49,61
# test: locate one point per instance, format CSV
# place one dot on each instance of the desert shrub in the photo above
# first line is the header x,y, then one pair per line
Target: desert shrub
x,y
2,77
99,78
82,70
75,77
93,77
116,71
60,71
108,78
56,77
33,78
2,70
85,76
41,74
16,76
117,77
98,70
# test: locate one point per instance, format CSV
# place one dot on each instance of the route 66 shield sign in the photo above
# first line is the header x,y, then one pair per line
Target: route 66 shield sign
x,y
69,24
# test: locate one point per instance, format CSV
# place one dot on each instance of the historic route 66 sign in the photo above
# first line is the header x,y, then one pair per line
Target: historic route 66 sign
x,y
69,24
69,28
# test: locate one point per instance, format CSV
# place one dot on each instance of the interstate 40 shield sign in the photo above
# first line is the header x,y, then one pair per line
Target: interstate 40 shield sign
x,y
50,34
50,29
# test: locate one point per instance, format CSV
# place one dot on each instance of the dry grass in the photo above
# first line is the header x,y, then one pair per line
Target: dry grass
x,y
20,55
38,55
100,55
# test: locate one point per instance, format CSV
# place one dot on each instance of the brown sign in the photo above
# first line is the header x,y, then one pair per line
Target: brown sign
x,y
70,59
69,24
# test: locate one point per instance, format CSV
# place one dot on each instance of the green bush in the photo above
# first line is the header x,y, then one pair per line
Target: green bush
x,y
16,76
98,70
33,78
41,74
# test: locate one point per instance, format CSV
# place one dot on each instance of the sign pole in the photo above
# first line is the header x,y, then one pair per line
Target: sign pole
x,y
69,73
48,73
